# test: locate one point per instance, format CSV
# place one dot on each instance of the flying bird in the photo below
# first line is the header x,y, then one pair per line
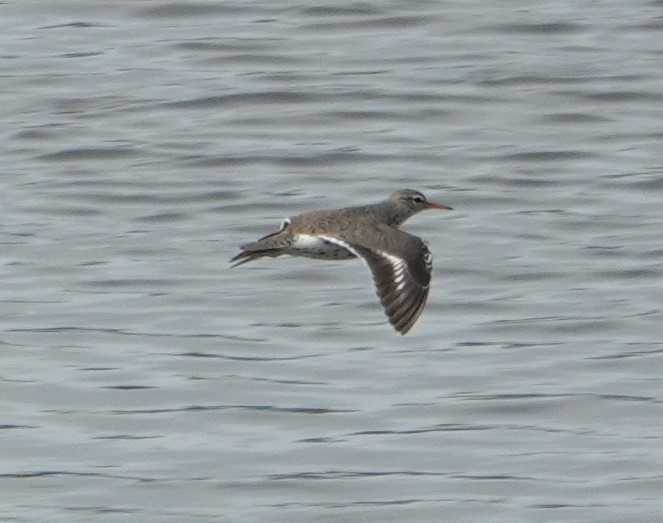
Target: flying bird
x,y
400,263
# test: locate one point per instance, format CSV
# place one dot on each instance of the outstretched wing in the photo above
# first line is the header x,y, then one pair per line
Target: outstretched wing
x,y
401,265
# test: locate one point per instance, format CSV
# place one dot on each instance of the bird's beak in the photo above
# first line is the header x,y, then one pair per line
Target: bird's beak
x,y
435,205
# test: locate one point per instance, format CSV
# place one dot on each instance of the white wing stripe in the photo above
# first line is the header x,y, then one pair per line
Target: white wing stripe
x,y
397,264
404,309
343,244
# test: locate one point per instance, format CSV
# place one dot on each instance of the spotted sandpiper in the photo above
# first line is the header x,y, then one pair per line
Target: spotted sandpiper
x,y
401,263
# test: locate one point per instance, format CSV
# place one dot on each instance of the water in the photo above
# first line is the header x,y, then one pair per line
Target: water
x,y
142,380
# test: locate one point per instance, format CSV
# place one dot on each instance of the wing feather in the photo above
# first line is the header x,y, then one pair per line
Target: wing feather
x,y
401,274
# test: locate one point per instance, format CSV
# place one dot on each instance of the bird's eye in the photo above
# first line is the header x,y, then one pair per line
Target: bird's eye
x,y
418,199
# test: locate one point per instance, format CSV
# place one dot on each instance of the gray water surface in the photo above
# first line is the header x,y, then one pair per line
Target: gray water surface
x,y
142,380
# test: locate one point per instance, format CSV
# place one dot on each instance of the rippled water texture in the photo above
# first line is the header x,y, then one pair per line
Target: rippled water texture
x,y
142,380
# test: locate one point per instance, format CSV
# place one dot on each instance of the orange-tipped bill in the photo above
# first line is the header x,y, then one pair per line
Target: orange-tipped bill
x,y
435,205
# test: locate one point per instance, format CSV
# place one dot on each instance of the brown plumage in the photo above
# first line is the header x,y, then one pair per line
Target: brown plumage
x,y
400,263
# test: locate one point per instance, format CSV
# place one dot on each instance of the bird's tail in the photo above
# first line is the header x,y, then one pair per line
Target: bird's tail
x,y
248,256
271,245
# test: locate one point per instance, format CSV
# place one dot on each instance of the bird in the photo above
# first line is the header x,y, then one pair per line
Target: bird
x,y
401,263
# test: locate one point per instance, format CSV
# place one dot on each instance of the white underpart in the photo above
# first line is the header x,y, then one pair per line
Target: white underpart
x,y
309,242
397,264
343,244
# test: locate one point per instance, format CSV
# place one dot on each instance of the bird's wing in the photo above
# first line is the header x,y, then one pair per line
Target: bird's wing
x,y
401,265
